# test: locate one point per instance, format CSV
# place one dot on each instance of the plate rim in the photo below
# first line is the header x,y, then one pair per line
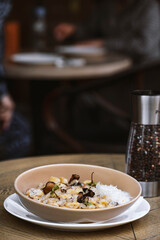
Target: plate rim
x,y
72,226
23,58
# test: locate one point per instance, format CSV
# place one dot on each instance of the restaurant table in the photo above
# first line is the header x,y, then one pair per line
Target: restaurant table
x,y
42,79
112,65
12,228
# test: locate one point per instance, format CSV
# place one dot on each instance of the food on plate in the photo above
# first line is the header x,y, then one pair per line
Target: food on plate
x,y
61,192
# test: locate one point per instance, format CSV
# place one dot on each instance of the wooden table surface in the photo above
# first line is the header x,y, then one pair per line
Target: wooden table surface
x,y
12,228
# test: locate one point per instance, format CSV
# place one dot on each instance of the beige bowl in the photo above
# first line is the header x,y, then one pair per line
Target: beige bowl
x,y
35,176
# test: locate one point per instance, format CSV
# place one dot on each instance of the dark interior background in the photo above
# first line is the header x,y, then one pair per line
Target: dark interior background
x,y
110,132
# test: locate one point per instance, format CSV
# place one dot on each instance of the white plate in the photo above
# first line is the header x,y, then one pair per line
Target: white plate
x,y
35,58
45,59
138,210
81,50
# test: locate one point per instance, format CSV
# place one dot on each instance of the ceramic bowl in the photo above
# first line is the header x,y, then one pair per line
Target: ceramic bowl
x,y
35,176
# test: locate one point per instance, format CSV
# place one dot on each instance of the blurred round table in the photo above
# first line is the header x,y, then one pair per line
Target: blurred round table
x,y
42,79
111,65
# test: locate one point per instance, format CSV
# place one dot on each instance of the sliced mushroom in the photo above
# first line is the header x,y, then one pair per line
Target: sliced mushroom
x,y
48,187
81,197
63,190
85,189
92,183
76,183
92,177
88,192
74,177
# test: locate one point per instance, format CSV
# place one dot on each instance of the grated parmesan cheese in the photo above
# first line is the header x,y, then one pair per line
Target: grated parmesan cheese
x,y
113,193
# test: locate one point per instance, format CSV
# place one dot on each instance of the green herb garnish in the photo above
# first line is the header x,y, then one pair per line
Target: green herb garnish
x,y
92,183
54,188
87,203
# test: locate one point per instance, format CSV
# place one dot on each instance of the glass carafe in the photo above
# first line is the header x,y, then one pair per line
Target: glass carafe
x,y
143,150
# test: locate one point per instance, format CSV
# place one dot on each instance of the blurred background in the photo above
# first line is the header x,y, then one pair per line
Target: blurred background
x,y
74,11
71,109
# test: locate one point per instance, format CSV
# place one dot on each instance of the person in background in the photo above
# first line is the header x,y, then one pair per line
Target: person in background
x,y
15,135
128,26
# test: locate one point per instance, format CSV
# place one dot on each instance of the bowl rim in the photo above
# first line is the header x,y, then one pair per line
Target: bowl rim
x,y
73,209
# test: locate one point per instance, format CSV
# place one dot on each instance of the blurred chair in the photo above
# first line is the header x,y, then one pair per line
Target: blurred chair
x,y
69,138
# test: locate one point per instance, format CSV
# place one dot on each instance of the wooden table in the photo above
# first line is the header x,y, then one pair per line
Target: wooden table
x,y
12,228
111,65
37,81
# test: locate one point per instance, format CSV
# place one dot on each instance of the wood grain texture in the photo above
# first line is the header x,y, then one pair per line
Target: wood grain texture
x,y
12,228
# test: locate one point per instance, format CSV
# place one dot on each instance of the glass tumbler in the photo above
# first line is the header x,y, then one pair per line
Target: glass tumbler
x,y
143,149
